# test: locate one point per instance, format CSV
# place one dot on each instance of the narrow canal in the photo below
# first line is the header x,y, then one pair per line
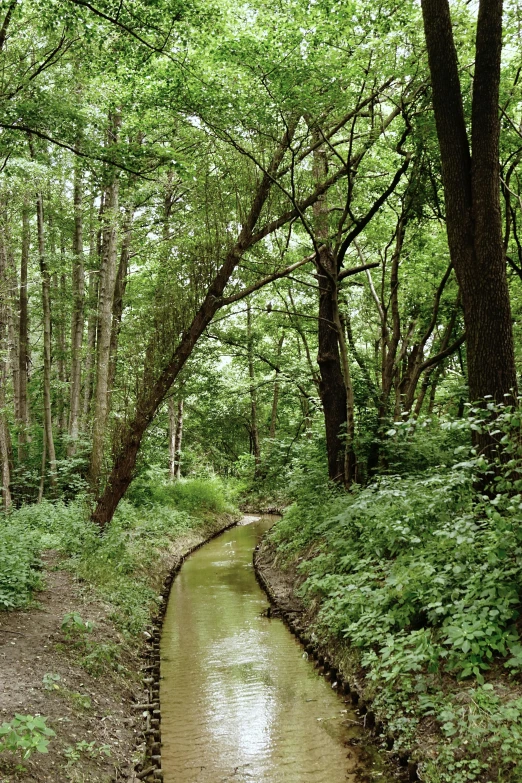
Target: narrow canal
x,y
239,699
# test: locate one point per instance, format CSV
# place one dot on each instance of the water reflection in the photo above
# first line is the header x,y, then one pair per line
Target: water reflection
x,y
239,700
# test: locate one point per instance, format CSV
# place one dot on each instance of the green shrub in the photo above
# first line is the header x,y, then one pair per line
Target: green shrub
x,y
193,495
25,734
19,564
422,577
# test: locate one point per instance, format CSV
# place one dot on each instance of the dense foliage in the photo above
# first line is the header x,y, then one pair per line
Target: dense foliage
x,y
422,577
272,251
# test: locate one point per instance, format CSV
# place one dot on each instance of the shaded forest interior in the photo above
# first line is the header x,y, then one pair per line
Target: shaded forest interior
x,y
270,254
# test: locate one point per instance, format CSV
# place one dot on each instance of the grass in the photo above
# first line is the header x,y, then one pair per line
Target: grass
x,y
120,564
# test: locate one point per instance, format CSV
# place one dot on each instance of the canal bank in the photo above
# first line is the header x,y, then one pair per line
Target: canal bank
x,y
335,662
75,656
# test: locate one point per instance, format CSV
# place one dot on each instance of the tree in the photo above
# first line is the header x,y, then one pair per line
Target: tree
x,y
470,175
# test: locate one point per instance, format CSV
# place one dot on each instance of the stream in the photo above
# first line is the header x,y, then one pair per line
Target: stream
x,y
239,699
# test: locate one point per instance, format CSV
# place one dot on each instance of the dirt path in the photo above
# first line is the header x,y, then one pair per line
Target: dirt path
x,y
80,707
45,672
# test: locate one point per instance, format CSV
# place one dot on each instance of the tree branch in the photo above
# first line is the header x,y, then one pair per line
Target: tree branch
x,y
356,269
265,281
443,354
361,224
73,149
6,23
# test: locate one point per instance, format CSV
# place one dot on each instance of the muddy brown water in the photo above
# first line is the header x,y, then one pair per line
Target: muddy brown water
x,y
239,699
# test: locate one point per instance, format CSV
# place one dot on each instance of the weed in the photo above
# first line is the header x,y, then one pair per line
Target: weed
x,y
25,734
74,626
101,656
51,682
73,753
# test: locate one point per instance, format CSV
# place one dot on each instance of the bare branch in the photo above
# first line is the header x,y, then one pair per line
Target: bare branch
x,y
363,222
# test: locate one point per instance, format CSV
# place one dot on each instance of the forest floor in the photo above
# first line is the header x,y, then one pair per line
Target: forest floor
x,y
72,680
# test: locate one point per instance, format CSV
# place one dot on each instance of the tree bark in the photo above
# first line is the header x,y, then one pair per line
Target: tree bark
x,y
332,387
472,196
172,438
77,320
178,440
5,440
61,350
23,338
119,294
13,319
255,447
277,388
46,306
106,298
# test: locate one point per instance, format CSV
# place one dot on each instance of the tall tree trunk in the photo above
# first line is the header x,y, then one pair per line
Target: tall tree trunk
x,y
332,388
472,195
172,437
77,320
23,338
277,388
254,430
106,298
13,319
46,306
42,473
178,440
61,362
391,338
5,440
90,350
95,250
119,294
350,461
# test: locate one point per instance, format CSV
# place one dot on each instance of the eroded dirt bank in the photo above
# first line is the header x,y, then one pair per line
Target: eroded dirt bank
x,y
87,685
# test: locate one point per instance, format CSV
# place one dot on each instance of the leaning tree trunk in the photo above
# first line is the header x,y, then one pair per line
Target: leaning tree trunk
x,y
46,306
155,391
472,196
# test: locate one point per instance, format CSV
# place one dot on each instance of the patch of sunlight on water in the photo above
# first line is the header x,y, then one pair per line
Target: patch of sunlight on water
x,y
239,700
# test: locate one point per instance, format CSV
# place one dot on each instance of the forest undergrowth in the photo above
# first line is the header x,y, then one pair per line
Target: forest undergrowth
x,y
118,563
114,587
419,577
